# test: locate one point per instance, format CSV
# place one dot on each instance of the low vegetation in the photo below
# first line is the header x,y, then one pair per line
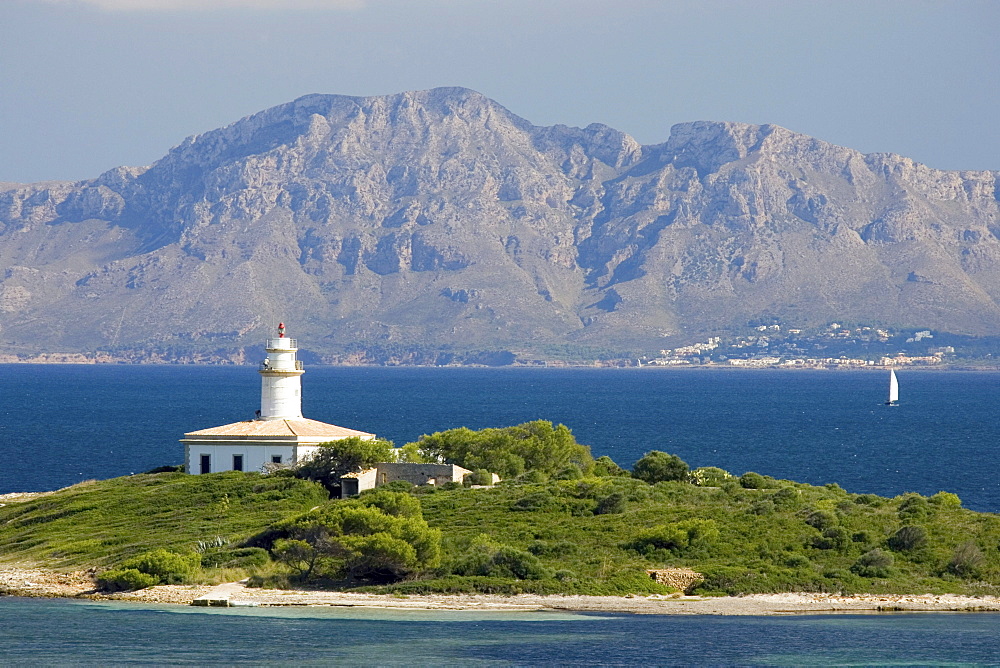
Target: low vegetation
x,y
563,523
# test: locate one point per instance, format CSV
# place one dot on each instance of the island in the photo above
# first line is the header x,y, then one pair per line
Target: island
x,y
559,530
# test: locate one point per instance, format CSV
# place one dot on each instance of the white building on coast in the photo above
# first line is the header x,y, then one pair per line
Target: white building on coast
x,y
278,435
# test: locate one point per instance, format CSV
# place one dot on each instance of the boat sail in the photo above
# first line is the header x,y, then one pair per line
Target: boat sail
x,y
893,389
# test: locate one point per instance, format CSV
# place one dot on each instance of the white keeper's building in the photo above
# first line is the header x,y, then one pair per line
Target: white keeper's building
x,y
279,434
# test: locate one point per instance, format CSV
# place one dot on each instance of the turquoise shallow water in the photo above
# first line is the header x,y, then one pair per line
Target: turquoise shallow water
x,y
58,632
81,422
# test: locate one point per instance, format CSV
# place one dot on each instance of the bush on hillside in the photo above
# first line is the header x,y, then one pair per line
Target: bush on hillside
x,y
677,537
605,467
967,560
907,539
821,519
167,567
751,480
612,504
125,579
913,507
478,477
489,558
875,563
656,466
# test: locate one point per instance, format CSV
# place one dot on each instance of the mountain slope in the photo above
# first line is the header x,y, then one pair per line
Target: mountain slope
x,y
438,219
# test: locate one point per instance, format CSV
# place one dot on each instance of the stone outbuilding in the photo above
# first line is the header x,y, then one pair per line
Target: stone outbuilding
x,y
417,474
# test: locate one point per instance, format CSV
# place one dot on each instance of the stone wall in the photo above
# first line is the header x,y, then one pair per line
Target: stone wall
x,y
683,579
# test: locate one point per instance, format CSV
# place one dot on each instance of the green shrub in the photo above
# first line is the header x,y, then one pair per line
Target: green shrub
x,y
488,558
967,560
862,537
821,519
913,507
834,538
907,539
570,472
762,507
751,480
478,477
167,567
869,499
656,466
676,537
605,467
875,563
612,504
531,477
540,500
797,561
786,497
946,500
559,548
125,579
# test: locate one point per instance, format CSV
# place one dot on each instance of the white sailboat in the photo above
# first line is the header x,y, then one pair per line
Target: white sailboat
x,y
893,389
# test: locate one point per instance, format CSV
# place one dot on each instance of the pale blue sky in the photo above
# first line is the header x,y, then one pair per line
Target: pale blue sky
x,y
87,85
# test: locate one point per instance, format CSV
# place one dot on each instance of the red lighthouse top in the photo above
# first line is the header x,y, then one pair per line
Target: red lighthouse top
x,y
281,330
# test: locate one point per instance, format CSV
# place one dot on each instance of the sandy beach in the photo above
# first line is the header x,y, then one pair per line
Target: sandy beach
x,y
17,581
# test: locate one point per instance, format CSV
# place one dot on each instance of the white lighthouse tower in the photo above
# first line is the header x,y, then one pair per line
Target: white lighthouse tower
x,y
281,379
278,435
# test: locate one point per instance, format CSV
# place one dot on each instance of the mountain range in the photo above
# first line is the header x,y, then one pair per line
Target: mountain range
x,y
438,226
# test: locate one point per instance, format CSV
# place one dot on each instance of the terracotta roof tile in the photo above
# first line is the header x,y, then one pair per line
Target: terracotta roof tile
x,y
288,429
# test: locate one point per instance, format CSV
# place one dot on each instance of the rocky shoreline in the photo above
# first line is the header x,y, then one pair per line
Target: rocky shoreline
x,y
33,582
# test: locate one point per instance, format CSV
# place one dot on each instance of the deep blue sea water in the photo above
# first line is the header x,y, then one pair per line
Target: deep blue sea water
x,y
63,424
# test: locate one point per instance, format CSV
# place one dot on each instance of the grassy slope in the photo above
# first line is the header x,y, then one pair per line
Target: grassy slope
x,y
762,545
102,523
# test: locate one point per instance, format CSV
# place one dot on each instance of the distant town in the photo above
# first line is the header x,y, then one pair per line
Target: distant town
x,y
836,345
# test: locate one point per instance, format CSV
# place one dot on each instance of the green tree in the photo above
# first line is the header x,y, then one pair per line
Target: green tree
x,y
380,537
337,458
658,466
509,451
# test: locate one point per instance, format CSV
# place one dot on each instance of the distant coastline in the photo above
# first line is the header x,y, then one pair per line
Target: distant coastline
x,y
102,359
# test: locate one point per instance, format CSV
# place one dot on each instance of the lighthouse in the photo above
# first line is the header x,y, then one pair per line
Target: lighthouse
x,y
281,379
279,434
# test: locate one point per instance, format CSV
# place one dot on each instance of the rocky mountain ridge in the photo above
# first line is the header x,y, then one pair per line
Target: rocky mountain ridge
x,y
438,221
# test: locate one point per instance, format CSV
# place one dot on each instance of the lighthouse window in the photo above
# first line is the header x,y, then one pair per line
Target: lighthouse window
x,y
206,463
237,462
275,459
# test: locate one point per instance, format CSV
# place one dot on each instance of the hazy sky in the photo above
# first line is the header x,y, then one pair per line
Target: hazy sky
x,y
87,85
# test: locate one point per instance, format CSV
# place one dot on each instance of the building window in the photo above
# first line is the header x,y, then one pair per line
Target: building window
x,y
237,462
206,463
275,459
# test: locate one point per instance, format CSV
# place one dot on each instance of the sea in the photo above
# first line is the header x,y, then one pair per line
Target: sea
x,y
62,424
